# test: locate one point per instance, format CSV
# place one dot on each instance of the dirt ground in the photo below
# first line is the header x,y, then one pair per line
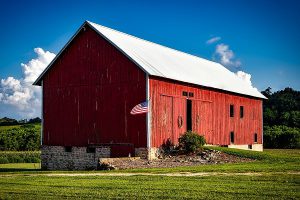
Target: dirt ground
x,y
167,161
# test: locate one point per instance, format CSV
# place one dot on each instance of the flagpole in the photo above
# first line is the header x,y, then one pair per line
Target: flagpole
x,y
148,114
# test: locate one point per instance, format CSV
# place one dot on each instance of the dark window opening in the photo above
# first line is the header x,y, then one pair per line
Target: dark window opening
x,y
191,94
231,137
189,115
249,146
241,111
231,111
255,137
68,149
91,150
184,93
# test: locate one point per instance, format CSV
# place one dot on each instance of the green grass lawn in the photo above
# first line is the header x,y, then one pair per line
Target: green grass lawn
x,y
151,187
278,178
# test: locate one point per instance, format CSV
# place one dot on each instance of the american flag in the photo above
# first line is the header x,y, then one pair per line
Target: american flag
x,y
140,108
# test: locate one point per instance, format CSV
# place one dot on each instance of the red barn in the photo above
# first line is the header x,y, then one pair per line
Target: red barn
x,y
93,83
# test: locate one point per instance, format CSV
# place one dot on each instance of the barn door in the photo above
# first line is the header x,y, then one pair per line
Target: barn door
x,y
179,118
165,121
202,118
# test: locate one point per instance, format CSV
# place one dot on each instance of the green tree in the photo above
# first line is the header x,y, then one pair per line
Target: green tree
x,y
282,107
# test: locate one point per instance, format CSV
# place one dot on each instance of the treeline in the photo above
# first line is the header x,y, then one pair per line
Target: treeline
x,y
282,118
21,138
5,121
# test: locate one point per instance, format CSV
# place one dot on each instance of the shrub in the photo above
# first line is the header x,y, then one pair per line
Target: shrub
x,y
168,146
191,141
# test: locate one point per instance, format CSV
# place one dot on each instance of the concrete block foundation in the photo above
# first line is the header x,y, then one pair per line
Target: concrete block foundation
x,y
253,147
84,158
72,158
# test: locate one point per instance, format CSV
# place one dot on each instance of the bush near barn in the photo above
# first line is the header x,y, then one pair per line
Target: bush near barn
x,y
191,141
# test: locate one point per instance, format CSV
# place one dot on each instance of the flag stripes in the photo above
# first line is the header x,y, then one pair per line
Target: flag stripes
x,y
140,108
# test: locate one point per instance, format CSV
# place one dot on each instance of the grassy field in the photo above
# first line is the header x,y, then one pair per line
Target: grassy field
x,y
274,175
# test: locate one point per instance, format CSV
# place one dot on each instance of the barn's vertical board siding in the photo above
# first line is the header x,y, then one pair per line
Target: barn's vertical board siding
x,y
212,107
89,93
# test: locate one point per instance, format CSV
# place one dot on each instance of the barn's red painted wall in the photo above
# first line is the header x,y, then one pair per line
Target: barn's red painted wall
x,y
88,94
210,114
90,89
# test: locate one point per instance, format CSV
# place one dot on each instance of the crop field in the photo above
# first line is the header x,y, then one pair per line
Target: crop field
x,y
18,126
274,175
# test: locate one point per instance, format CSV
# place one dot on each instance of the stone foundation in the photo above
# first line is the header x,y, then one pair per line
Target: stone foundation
x,y
78,158
57,157
148,153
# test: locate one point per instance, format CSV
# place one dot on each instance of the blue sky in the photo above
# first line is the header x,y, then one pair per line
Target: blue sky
x,y
264,36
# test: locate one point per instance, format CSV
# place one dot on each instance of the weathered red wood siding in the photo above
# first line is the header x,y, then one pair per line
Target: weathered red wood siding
x,y
88,94
210,114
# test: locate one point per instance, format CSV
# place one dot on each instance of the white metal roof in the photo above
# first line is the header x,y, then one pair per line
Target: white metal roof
x,y
158,60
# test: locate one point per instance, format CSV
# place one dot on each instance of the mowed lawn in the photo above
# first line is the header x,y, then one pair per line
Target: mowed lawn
x,y
277,178
158,187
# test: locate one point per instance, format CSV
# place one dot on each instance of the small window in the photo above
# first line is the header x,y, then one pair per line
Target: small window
x,y
231,110
191,94
249,146
189,115
241,111
184,93
255,137
91,150
68,149
232,137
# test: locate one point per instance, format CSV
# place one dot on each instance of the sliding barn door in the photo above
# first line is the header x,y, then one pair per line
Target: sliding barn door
x,y
165,125
202,118
179,118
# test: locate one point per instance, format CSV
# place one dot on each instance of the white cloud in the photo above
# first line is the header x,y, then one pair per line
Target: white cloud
x,y
226,56
213,40
244,76
34,67
18,97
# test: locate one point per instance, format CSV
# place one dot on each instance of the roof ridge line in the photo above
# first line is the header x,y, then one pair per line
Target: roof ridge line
x,y
169,48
